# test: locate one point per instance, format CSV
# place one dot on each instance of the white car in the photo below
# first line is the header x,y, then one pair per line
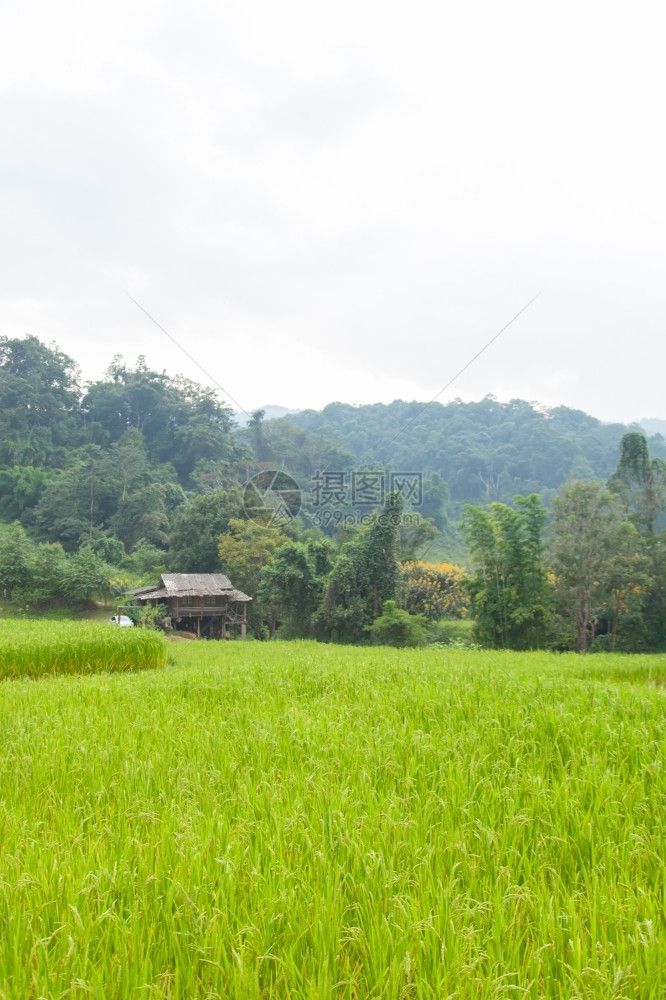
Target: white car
x,y
121,620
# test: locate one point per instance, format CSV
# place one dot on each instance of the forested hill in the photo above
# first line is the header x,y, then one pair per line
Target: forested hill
x,y
143,465
485,450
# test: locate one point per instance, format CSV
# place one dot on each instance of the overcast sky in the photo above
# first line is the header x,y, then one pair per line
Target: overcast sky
x,y
342,201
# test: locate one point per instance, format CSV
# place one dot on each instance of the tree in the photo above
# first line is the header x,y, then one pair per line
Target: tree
x,y
509,589
595,552
79,500
293,584
245,548
142,515
196,529
21,487
39,400
639,482
366,573
414,533
260,446
381,553
85,577
46,567
15,551
179,421
435,498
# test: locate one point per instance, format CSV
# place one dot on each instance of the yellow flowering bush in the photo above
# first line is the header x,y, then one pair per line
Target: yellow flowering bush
x,y
434,590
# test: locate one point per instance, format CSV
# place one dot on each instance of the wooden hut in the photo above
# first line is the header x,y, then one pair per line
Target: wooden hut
x,y
205,603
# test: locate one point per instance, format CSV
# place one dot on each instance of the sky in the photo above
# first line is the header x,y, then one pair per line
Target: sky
x,y
342,201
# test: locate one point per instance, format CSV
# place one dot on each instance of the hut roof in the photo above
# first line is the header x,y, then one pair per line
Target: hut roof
x,y
192,585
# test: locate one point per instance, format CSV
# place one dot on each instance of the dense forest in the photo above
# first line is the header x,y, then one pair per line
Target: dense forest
x,y
115,480
484,450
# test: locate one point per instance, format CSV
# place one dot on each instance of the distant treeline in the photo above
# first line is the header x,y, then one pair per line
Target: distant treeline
x,y
485,450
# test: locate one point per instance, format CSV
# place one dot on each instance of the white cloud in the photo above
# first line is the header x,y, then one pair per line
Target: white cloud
x,y
341,201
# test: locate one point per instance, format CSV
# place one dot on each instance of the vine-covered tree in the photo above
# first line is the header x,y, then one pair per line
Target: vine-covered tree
x,y
364,576
639,481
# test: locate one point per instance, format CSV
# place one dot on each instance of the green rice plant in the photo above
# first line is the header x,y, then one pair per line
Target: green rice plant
x,y
34,648
293,820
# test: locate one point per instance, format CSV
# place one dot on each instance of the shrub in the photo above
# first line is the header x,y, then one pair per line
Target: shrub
x,y
395,627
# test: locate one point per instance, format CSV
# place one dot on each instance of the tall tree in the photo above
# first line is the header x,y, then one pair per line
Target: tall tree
x,y
142,515
80,501
39,401
196,529
509,589
365,575
260,446
639,481
596,556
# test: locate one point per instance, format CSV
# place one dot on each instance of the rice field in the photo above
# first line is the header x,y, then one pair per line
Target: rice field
x,y
306,821
30,648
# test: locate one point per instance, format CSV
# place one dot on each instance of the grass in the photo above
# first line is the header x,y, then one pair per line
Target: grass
x,y
307,821
34,648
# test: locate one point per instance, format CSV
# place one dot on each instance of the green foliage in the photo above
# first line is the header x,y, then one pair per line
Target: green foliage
x,y
153,616
39,401
85,577
396,627
15,549
486,450
110,550
154,462
293,584
435,497
366,573
46,571
452,632
146,560
509,588
179,421
414,534
245,549
196,528
595,552
640,482
21,488
142,516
